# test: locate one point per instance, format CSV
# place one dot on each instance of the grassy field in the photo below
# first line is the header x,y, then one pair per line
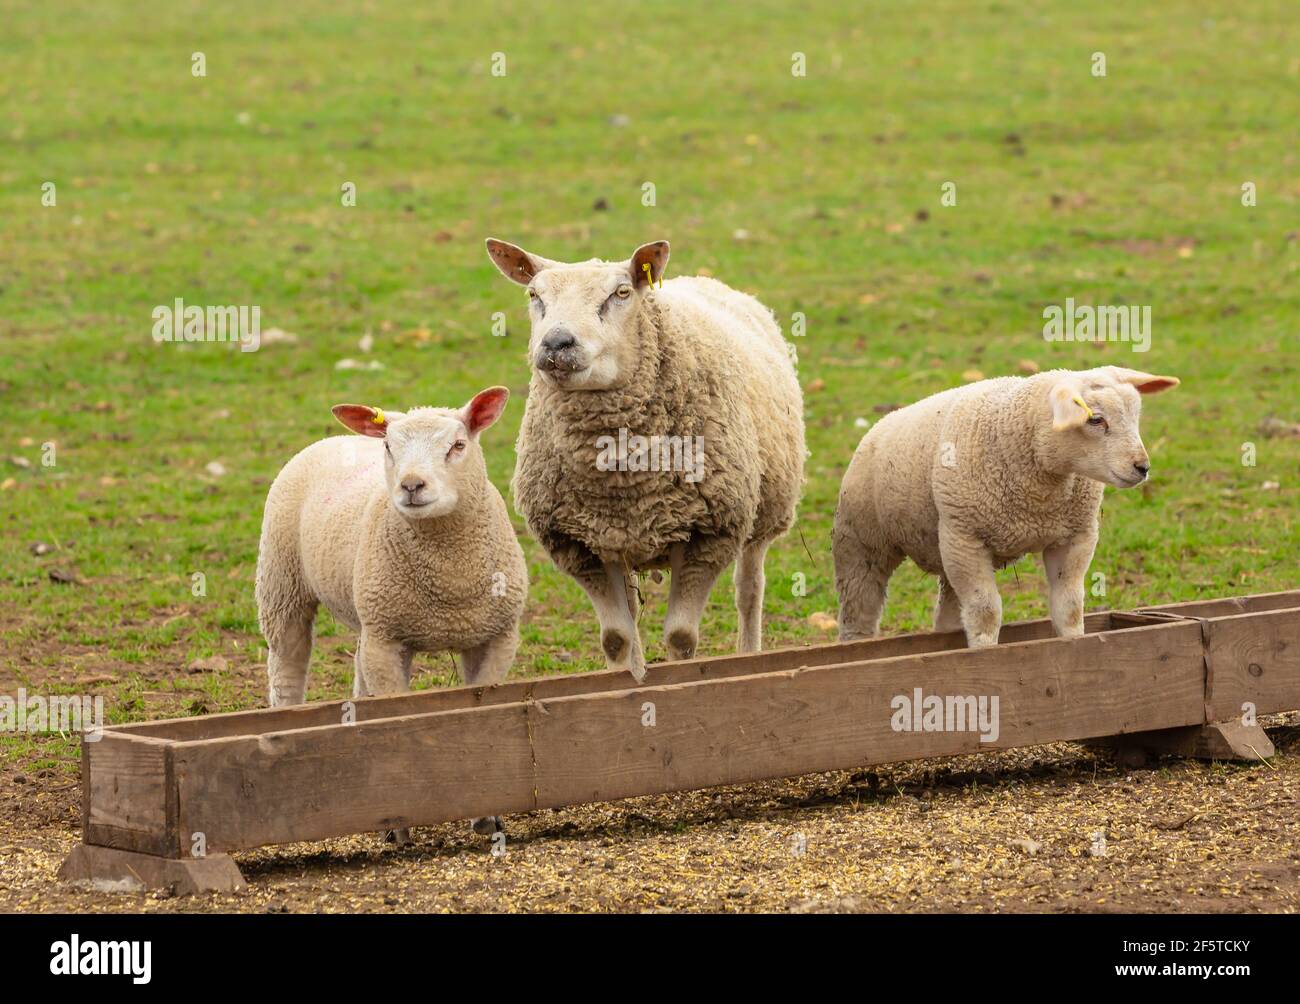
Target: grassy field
x,y
820,194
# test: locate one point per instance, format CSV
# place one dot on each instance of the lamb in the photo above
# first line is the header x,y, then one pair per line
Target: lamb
x,y
663,430
974,478
403,538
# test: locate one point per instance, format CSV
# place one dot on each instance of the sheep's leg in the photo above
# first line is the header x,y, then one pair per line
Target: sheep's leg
x,y
384,668
490,662
947,611
750,583
861,581
968,567
606,587
688,593
1067,566
288,656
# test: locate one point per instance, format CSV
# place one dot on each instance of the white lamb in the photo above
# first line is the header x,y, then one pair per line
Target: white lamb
x,y
664,430
974,478
403,538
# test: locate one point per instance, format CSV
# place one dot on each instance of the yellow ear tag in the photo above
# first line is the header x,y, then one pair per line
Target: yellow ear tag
x,y
649,276
1079,401
378,417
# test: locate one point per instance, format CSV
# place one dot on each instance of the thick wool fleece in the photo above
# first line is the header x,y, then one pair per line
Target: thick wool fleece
x,y
711,363
977,456
330,535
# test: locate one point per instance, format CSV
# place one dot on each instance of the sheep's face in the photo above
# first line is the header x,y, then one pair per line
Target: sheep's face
x,y
584,316
431,455
1095,417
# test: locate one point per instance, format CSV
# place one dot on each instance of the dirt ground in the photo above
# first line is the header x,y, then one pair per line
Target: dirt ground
x,y
1057,828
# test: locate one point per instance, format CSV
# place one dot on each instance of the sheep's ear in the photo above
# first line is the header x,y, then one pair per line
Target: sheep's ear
x,y
1146,383
484,408
656,256
362,419
1068,409
515,263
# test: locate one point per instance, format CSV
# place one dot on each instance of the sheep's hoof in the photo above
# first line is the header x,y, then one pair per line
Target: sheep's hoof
x,y
682,642
486,825
614,643
399,838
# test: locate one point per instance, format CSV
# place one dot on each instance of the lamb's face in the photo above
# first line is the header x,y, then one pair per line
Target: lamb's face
x,y
584,316
1095,417
431,455
425,457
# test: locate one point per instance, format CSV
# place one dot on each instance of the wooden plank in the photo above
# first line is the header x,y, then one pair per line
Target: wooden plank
x,y
1255,659
130,870
265,720
306,784
126,793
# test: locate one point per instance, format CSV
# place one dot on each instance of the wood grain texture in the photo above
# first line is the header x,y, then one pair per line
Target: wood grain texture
x,y
126,784
312,783
1255,659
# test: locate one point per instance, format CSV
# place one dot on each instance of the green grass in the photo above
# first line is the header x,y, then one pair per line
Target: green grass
x,y
226,189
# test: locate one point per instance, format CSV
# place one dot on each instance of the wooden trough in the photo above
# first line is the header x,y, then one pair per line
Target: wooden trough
x,y
165,802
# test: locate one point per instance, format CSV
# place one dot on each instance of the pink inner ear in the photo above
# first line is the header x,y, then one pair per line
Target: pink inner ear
x,y
360,419
485,409
1156,384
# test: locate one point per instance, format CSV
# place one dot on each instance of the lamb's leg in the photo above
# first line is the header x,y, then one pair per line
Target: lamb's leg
x,y
861,581
606,587
288,656
947,611
750,582
1067,567
490,662
968,567
384,668
688,593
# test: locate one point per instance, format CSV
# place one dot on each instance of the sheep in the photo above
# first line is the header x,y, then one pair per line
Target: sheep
x,y
663,430
973,478
403,538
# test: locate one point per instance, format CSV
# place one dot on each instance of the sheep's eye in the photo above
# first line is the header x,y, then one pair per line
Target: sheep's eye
x,y
623,292
457,447
1097,420
532,293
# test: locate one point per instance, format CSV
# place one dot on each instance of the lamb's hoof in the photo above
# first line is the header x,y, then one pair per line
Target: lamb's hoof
x,y
398,838
485,826
682,642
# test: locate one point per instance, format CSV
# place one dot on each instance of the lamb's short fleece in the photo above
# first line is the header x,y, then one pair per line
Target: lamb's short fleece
x,y
973,478
401,535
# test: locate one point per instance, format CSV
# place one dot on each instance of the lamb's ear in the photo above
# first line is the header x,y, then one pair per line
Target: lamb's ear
x,y
363,419
484,408
656,256
1146,383
1068,408
515,263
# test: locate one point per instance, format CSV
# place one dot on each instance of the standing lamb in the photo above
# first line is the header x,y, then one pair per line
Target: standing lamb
x,y
664,429
403,538
974,478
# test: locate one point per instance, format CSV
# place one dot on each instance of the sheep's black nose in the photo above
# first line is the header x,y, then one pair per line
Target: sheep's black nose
x,y
1142,469
559,339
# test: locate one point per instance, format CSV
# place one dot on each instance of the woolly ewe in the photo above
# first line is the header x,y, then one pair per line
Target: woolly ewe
x,y
403,538
689,364
974,478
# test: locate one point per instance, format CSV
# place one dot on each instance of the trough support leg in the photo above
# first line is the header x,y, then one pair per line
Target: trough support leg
x,y
185,876
1216,741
